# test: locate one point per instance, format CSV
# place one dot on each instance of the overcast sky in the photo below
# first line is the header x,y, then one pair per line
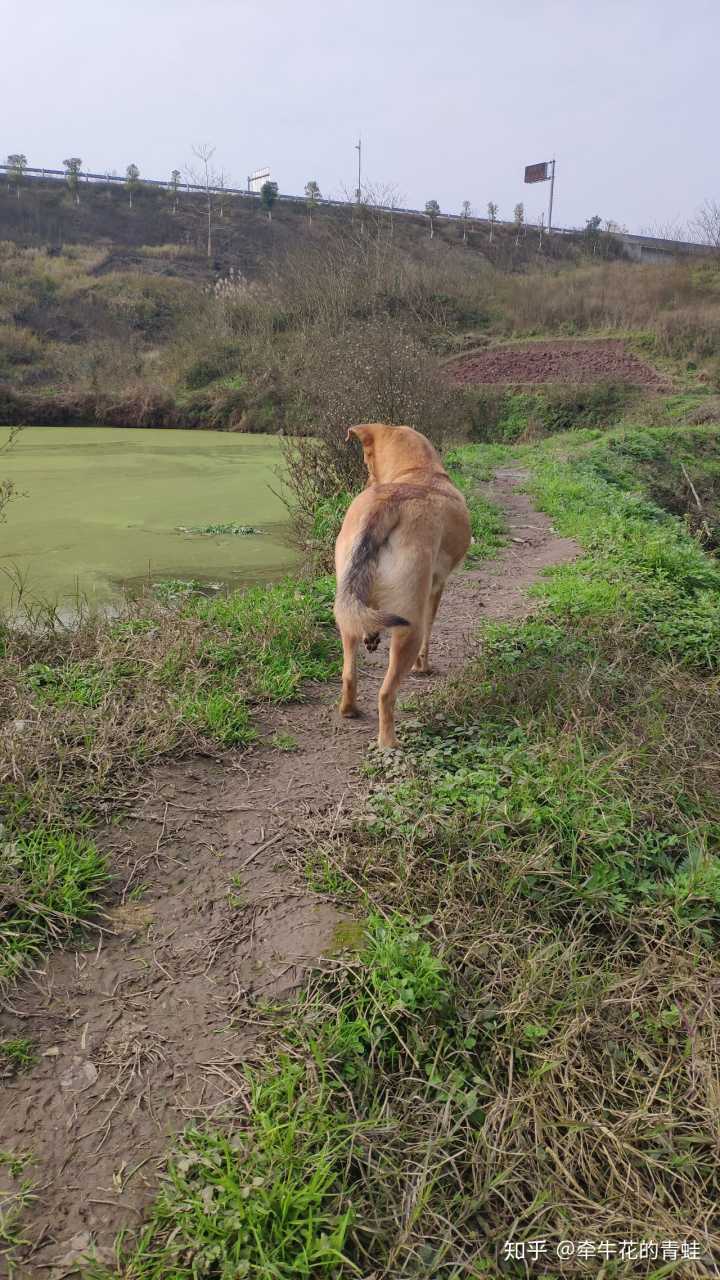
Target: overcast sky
x,y
452,99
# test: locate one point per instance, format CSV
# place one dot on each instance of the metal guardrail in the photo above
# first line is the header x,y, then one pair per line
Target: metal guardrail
x,y
657,241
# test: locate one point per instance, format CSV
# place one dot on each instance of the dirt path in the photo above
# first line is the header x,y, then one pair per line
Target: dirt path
x,y
151,1025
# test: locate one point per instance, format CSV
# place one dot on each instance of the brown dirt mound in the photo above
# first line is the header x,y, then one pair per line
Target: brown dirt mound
x,y
151,1023
598,360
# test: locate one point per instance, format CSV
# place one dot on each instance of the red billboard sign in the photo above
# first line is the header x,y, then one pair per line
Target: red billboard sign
x,y
537,172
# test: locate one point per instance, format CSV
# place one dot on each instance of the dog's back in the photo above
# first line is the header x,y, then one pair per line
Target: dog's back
x,y
400,539
396,541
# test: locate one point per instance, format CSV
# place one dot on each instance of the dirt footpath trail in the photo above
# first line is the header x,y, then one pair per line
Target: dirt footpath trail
x,y
150,1025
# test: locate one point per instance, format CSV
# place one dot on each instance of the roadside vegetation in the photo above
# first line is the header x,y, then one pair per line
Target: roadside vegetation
x,y
524,1043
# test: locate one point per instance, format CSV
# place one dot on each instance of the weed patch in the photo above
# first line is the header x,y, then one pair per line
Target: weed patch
x,y
50,879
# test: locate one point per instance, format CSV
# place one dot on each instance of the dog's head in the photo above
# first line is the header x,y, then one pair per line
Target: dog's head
x,y
391,451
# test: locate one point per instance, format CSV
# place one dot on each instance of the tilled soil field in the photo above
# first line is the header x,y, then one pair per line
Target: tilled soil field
x,y
569,361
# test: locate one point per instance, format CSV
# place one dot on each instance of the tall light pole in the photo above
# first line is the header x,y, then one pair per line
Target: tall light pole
x,y
358,148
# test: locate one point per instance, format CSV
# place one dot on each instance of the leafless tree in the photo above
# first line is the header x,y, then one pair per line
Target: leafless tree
x,y
202,174
381,201
706,224
519,219
674,229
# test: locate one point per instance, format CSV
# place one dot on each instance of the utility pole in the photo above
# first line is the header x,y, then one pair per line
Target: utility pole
x,y
358,148
552,192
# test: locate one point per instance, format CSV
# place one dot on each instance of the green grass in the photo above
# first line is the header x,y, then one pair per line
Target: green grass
x,y
486,520
13,1204
274,637
263,1201
50,878
18,1054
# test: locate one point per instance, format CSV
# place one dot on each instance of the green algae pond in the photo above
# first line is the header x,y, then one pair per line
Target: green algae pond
x,y
100,510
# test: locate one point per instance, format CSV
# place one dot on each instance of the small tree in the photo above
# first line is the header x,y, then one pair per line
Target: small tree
x,y
17,165
268,196
132,181
465,214
72,176
221,194
519,220
432,209
492,215
312,195
174,187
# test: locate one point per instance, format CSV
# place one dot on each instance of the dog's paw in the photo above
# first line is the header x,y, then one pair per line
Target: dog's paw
x,y
350,713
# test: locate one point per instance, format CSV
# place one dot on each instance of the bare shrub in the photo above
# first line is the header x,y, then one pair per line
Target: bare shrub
x,y
359,277
375,372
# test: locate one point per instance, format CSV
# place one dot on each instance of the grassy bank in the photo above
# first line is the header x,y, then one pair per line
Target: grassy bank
x,y
159,337
524,1046
86,709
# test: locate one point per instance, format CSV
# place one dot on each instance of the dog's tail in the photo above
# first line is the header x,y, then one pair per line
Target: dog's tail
x,y
351,605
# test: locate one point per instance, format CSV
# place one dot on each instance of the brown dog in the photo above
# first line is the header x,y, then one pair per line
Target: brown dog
x,y
400,539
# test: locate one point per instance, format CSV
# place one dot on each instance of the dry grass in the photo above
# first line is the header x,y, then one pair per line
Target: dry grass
x,y
676,301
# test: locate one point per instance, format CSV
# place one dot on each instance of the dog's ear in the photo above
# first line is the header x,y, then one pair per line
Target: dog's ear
x,y
366,436
362,433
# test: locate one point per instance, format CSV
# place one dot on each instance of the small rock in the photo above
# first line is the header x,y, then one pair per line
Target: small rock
x,y
79,1075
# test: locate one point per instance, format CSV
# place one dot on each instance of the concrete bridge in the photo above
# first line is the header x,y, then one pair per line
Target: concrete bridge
x,y
655,249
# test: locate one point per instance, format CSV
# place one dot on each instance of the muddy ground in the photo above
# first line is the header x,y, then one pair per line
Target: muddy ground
x,y
151,1023
585,360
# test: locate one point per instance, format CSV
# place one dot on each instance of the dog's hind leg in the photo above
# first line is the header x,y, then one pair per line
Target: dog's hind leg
x,y
404,645
348,704
422,666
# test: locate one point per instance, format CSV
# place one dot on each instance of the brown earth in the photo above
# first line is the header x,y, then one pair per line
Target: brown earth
x,y
585,360
151,1023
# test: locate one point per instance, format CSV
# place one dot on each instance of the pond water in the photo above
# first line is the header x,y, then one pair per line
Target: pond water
x,y
101,509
